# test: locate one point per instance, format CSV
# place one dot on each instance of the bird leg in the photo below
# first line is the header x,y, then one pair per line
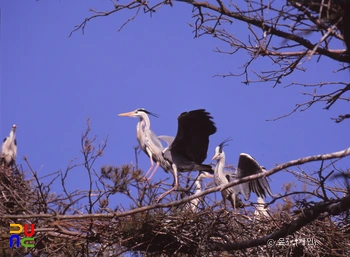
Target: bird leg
x,y
149,178
152,163
176,185
234,203
232,199
224,199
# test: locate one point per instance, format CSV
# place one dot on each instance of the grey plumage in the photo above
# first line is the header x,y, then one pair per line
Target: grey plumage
x,y
221,177
167,139
247,166
189,148
9,149
148,140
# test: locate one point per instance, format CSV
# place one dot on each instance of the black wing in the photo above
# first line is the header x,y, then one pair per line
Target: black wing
x,y
248,166
4,139
192,138
15,142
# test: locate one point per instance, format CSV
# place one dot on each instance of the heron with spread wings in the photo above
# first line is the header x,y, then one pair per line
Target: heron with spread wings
x,y
189,149
247,166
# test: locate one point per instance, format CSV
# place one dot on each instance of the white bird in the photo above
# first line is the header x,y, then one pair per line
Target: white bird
x,y
193,204
261,210
247,166
9,149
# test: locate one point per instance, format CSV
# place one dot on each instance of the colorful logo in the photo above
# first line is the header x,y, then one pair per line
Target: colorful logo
x,y
18,229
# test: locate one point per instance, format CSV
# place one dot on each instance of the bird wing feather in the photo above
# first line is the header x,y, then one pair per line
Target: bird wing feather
x,y
248,166
153,141
192,138
167,139
234,189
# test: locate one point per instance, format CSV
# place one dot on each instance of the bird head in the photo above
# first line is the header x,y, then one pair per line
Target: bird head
x,y
14,127
138,113
219,153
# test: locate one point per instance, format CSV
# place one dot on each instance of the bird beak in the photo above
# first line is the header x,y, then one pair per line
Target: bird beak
x,y
215,156
126,114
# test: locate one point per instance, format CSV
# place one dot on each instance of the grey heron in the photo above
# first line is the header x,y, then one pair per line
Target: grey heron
x,y
9,149
189,148
247,166
148,140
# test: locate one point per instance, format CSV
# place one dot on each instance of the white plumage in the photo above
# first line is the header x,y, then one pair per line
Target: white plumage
x,y
261,210
193,204
9,149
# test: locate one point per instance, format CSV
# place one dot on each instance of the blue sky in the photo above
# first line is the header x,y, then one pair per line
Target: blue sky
x,y
51,83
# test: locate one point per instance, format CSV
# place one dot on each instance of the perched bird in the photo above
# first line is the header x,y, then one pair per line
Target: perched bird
x,y
148,140
247,166
220,177
9,149
193,204
189,148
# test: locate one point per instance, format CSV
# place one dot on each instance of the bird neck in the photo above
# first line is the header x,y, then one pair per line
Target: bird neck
x,y
139,131
220,165
12,135
194,202
145,121
198,186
